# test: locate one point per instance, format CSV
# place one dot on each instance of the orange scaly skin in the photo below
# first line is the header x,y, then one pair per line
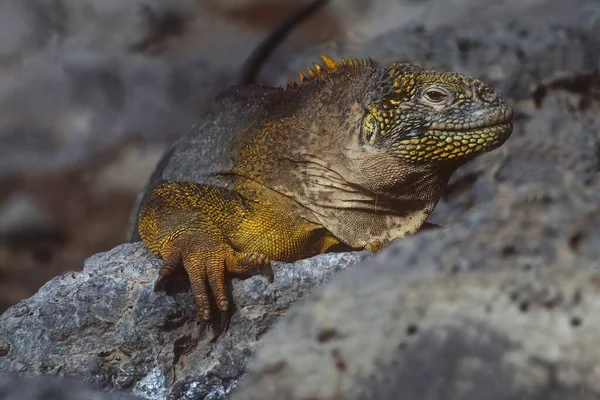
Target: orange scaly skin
x,y
212,230
352,158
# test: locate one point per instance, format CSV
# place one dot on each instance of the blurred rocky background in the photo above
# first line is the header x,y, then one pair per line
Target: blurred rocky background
x,y
93,91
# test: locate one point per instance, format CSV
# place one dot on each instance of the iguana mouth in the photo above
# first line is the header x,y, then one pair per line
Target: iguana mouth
x,y
480,119
483,131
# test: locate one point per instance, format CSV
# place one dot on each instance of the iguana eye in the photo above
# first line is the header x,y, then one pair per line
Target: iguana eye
x,y
435,95
369,129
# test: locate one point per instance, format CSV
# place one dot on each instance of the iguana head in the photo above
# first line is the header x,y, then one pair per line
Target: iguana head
x,y
419,116
425,116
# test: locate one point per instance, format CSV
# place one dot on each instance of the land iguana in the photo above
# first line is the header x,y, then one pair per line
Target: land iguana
x,y
352,157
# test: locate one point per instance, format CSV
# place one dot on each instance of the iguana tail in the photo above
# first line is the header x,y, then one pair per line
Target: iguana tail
x,y
257,58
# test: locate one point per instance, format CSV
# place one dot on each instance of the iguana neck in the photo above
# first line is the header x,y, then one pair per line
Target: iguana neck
x,y
358,211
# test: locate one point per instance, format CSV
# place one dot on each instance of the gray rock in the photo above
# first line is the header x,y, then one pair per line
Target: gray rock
x,y
473,317
44,387
404,29
105,325
83,78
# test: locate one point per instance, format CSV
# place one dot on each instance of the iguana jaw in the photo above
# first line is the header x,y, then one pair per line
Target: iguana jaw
x,y
440,144
457,138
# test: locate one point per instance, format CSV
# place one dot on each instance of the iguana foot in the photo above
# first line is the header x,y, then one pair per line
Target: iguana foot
x,y
376,245
206,266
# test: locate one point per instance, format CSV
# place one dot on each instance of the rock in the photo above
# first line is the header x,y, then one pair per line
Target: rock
x,y
106,325
380,16
14,387
380,28
75,109
85,77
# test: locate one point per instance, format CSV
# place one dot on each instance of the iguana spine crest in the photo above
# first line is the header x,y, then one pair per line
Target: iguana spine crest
x,y
331,66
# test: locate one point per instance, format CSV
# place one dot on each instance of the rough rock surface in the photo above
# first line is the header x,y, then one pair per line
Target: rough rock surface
x,y
44,387
107,326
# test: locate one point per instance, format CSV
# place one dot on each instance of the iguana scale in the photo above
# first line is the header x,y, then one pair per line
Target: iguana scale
x,y
352,157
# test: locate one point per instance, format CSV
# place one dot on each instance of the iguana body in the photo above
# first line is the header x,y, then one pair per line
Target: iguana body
x,y
352,158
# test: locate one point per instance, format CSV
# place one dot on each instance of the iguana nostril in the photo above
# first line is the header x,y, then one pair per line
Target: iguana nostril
x,y
488,96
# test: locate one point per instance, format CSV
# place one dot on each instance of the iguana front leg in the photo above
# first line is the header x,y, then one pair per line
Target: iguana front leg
x,y
212,232
206,260
186,225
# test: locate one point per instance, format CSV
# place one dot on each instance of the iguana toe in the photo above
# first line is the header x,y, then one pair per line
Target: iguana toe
x,y
194,263
256,263
165,271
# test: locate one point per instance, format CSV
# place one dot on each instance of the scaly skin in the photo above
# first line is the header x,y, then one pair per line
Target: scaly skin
x,y
212,230
352,158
